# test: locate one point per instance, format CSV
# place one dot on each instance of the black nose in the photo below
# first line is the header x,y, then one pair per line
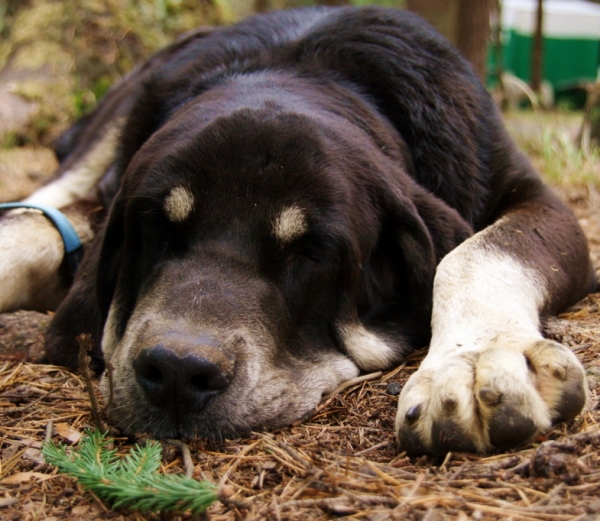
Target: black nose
x,y
175,383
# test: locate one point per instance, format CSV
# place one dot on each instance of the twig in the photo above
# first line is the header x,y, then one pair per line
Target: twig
x,y
445,462
109,376
131,482
509,511
236,503
386,477
29,405
305,484
413,490
48,436
350,383
188,463
294,454
49,430
371,499
275,508
86,344
234,465
334,501
374,447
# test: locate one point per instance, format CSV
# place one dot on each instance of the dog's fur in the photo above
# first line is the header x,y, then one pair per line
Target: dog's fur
x,y
279,196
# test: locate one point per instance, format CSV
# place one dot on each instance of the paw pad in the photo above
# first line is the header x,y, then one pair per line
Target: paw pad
x,y
508,427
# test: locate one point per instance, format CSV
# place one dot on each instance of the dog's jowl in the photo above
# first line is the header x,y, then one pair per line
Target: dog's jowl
x,y
291,201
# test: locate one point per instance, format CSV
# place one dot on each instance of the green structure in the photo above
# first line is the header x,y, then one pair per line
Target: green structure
x,y
571,41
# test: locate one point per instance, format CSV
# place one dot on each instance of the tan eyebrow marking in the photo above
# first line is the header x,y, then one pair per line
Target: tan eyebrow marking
x,y
179,204
290,224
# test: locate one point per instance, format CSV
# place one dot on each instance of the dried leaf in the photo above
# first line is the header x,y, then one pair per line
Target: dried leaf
x,y
24,477
65,431
80,510
34,455
8,501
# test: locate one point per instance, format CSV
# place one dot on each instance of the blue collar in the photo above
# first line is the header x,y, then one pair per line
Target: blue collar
x,y
73,247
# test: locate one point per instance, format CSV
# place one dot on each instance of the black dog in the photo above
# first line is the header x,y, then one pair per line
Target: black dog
x,y
279,197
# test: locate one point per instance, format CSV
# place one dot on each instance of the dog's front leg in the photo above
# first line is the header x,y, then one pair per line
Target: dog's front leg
x,y
490,380
32,270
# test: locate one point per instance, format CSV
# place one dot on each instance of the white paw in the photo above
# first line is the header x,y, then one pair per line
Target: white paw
x,y
491,398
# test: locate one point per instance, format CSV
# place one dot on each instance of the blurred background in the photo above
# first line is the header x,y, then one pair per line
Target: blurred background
x,y
539,58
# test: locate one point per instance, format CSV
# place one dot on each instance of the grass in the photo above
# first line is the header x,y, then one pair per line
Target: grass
x,y
550,140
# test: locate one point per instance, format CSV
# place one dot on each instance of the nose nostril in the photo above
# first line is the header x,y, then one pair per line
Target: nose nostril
x,y
200,383
208,382
152,374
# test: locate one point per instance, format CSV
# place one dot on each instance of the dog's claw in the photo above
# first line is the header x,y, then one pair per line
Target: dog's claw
x,y
489,396
413,414
559,372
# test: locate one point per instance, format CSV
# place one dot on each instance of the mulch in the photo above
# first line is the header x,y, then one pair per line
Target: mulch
x,y
342,463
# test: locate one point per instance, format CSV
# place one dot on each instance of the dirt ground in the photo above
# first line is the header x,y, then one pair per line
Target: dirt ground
x,y
342,463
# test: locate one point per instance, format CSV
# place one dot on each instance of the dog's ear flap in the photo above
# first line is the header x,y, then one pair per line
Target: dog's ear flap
x,y
404,260
422,230
78,313
396,290
85,308
444,224
110,258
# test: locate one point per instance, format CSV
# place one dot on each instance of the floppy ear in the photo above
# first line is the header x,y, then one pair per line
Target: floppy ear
x,y
110,257
85,307
78,313
394,297
125,260
418,231
444,224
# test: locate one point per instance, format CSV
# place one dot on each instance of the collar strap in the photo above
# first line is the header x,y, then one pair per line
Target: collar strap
x,y
73,247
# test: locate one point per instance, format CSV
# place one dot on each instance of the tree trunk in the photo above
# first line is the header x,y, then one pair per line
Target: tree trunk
x,y
262,6
536,51
442,14
473,33
466,23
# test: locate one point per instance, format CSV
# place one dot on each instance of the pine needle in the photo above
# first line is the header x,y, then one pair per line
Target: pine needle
x,y
131,482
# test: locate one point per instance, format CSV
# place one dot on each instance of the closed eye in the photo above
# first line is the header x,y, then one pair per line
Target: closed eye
x,y
315,248
160,233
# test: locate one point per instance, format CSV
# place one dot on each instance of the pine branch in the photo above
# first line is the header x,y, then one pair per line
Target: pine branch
x,y
132,482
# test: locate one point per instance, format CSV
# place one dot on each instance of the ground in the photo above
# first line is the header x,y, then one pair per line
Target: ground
x,y
344,462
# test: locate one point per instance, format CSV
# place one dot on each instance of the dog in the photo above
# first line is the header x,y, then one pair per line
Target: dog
x,y
270,208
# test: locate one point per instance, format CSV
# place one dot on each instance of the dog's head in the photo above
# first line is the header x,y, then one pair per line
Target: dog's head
x,y
257,255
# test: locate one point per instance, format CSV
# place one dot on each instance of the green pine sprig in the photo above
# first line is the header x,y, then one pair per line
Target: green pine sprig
x,y
133,481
